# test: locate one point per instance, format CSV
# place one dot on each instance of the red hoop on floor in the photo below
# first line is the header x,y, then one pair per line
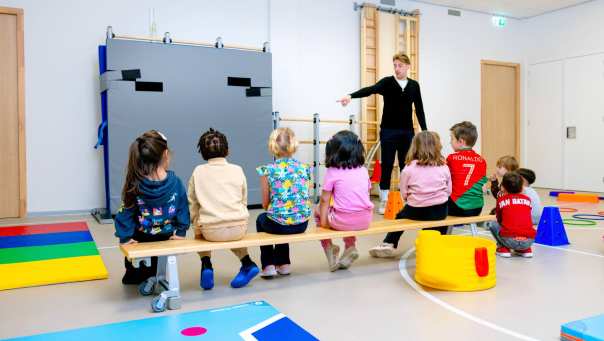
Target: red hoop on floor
x,y
569,210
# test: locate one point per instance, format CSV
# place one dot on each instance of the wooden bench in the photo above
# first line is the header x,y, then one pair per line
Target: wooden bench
x,y
167,269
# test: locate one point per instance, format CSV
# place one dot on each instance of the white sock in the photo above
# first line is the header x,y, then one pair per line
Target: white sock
x,y
384,194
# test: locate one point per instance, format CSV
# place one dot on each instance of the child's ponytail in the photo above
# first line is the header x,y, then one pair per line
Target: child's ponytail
x,y
144,157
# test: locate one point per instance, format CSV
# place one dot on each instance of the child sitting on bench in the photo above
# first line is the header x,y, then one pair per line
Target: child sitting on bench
x,y
347,182
154,201
218,206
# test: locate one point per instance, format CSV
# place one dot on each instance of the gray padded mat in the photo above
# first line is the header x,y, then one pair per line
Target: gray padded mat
x,y
195,97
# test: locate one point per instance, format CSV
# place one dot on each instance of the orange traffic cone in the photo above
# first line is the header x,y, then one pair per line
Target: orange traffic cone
x,y
377,172
393,205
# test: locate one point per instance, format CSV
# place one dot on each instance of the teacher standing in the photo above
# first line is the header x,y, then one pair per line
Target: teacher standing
x,y
396,130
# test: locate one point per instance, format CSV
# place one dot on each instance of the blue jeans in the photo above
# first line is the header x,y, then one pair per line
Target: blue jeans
x,y
512,243
276,254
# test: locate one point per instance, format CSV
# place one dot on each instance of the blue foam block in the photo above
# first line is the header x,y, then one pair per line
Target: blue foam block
x,y
556,193
45,239
589,329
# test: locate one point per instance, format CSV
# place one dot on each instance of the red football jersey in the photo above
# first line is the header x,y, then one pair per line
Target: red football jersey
x,y
468,175
514,215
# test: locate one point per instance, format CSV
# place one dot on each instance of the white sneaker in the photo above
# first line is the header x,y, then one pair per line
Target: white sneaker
x,y
382,207
332,252
269,272
348,257
384,250
284,270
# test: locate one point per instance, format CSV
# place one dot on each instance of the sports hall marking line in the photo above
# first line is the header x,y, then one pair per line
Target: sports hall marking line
x,y
247,334
107,247
571,250
419,290
586,253
585,228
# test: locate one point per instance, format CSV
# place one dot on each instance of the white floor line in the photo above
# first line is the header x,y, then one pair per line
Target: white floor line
x,y
571,250
546,246
419,290
584,228
107,247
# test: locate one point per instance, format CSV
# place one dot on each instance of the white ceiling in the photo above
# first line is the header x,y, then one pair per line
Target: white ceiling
x,y
511,8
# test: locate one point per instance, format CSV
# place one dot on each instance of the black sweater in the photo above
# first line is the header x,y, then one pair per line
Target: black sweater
x,y
397,104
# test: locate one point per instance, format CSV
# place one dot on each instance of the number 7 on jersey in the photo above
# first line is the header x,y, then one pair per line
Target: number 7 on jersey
x,y
471,166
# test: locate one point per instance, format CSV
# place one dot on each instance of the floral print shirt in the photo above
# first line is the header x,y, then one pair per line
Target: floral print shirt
x,y
289,182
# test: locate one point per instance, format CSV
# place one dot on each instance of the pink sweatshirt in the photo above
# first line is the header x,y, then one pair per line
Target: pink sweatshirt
x,y
423,186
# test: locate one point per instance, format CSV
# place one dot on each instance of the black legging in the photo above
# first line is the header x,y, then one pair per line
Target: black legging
x,y
137,275
436,212
393,142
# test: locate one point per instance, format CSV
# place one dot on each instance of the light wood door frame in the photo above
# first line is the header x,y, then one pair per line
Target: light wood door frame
x,y
516,66
18,12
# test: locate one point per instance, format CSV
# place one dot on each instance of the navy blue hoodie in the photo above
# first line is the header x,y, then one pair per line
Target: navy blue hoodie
x,y
161,207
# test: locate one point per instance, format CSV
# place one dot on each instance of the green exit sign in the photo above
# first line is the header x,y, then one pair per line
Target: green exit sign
x,y
499,21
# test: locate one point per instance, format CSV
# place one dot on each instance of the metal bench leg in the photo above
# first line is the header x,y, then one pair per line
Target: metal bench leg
x,y
167,278
137,262
474,229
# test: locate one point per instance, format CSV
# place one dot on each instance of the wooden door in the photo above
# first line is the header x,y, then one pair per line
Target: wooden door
x,y
12,139
500,111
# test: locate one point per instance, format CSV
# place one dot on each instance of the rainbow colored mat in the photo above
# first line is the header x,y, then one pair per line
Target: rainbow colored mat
x,y
48,254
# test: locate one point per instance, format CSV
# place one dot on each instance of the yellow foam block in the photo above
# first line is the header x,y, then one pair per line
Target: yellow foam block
x,y
53,271
450,262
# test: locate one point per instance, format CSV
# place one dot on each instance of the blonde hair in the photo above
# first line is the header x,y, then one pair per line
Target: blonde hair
x,y
508,162
282,142
426,149
401,57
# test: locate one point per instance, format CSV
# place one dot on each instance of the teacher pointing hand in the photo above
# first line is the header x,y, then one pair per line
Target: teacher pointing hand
x,y
396,129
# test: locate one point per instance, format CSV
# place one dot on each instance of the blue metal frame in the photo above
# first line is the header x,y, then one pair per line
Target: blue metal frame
x,y
103,133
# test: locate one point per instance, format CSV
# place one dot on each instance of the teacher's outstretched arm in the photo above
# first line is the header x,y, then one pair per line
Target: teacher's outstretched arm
x,y
364,92
419,110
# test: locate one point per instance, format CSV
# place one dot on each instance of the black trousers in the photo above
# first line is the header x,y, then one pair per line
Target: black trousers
x,y
393,142
456,211
436,212
138,275
277,254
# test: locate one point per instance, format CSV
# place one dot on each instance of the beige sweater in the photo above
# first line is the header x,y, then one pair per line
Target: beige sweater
x,y
218,195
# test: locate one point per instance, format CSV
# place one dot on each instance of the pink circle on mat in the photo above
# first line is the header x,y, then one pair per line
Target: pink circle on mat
x,y
193,331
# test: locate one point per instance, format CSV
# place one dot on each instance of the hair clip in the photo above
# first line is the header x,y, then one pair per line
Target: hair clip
x,y
162,136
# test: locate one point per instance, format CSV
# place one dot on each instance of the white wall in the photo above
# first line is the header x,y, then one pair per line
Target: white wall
x,y
315,46
563,38
64,172
575,31
316,61
451,49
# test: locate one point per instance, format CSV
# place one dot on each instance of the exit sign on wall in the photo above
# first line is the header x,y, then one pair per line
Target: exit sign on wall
x,y
499,21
